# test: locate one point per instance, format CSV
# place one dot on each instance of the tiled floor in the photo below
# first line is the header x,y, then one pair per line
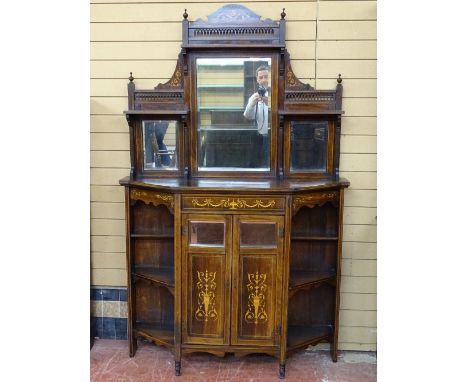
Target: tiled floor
x,y
110,362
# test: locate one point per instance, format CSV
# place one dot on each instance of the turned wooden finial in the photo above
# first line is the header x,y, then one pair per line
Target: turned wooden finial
x,y
283,15
185,15
339,79
131,77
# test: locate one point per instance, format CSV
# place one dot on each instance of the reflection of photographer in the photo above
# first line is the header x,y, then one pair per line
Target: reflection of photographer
x,y
257,108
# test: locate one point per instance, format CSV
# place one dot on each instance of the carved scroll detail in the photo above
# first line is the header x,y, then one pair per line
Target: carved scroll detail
x,y
153,198
256,287
292,82
233,204
314,200
206,286
177,79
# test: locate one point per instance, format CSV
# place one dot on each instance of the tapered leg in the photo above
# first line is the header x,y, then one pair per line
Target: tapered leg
x,y
177,368
282,370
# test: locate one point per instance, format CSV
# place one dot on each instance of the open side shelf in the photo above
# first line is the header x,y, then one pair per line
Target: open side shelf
x,y
152,236
311,315
299,336
307,237
159,334
161,276
300,279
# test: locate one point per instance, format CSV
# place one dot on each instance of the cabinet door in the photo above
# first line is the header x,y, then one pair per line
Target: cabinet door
x,y
257,264
206,279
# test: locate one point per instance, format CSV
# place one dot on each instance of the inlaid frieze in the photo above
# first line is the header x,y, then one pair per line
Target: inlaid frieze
x,y
316,199
233,203
155,198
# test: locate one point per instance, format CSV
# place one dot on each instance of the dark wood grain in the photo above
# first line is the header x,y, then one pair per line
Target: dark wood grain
x,y
227,261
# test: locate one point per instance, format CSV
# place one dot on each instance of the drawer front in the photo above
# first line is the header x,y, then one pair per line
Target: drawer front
x,y
232,203
316,198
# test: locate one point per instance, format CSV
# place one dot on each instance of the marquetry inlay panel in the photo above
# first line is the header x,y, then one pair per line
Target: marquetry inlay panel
x,y
233,203
256,288
206,286
154,198
316,199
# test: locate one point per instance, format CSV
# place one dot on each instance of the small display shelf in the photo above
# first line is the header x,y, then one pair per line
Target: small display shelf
x,y
162,276
152,235
221,86
227,108
305,278
299,336
299,236
311,315
160,334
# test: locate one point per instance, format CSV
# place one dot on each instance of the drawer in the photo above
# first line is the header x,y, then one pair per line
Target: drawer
x,y
316,198
232,203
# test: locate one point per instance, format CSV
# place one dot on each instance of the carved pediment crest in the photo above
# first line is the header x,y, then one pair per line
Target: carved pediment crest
x,y
232,14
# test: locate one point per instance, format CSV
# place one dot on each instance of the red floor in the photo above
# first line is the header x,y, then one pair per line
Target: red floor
x,y
110,362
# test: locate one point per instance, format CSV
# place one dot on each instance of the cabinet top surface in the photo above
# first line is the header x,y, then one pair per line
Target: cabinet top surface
x,y
234,185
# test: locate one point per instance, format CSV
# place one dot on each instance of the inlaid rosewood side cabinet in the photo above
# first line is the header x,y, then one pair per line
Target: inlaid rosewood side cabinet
x,y
234,203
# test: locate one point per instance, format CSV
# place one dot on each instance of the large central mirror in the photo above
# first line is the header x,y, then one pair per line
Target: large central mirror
x,y
234,113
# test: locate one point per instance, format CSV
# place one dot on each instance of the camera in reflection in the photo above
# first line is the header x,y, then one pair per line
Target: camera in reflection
x,y
262,91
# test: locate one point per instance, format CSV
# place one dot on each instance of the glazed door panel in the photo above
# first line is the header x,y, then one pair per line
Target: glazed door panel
x,y
206,278
257,262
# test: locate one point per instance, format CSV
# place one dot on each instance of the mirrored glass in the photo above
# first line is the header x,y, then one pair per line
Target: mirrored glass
x,y
160,141
309,145
234,114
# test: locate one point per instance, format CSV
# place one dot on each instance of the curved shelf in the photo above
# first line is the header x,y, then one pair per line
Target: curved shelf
x,y
160,276
315,237
152,236
161,335
300,336
226,108
221,86
299,280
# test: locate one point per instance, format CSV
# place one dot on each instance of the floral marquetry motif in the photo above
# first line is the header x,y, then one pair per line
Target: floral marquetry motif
x,y
233,203
313,200
206,286
256,288
292,82
153,198
177,79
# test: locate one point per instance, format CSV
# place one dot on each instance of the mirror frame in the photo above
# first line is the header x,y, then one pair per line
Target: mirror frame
x,y
242,172
311,174
235,31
